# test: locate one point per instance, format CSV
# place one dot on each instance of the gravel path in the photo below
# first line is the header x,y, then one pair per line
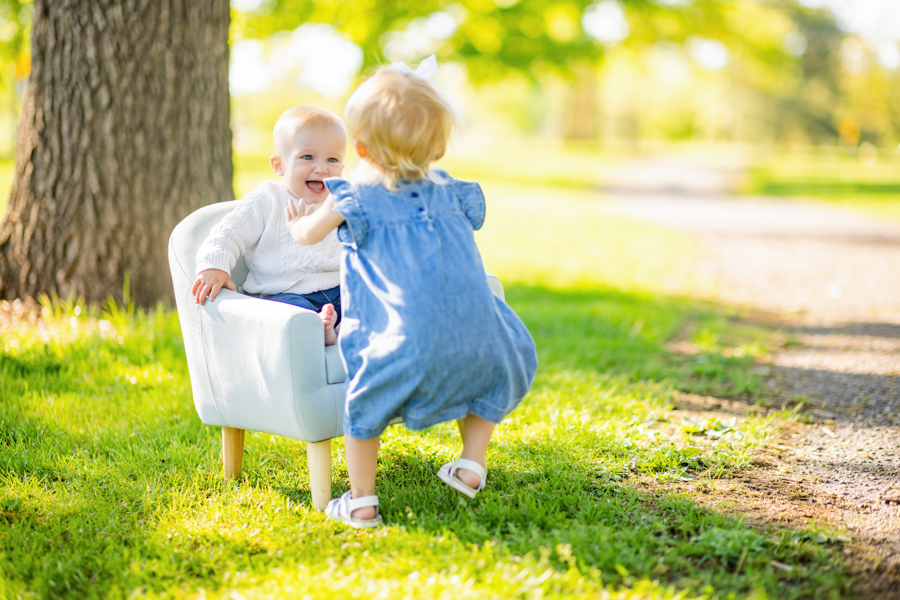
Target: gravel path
x,y
829,277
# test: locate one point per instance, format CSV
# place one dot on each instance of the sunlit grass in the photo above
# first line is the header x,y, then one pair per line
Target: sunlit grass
x,y
525,162
111,486
868,184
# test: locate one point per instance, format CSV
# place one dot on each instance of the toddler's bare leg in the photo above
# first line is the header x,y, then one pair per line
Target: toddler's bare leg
x,y
476,434
362,461
329,317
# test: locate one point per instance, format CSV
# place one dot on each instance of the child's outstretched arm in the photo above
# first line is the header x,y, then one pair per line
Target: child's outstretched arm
x,y
312,229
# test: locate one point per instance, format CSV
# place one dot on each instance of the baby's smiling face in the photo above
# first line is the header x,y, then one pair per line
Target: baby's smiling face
x,y
307,157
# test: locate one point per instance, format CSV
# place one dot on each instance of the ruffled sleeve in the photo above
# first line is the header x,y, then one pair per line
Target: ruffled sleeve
x,y
355,227
472,200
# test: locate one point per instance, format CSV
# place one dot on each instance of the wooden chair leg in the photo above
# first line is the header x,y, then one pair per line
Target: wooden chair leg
x,y
318,454
232,451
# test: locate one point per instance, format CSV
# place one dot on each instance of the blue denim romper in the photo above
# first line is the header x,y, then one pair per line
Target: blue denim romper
x,y
422,336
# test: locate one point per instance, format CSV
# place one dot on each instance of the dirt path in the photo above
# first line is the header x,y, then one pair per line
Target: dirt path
x,y
831,279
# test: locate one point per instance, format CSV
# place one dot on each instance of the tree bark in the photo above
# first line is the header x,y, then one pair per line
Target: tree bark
x,y
124,131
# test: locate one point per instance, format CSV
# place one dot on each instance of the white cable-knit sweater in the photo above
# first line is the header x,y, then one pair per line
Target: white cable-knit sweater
x,y
257,229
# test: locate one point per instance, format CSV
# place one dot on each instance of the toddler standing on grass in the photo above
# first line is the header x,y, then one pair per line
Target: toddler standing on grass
x,y
423,336
309,147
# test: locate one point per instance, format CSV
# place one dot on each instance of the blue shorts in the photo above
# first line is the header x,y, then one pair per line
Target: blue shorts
x,y
314,301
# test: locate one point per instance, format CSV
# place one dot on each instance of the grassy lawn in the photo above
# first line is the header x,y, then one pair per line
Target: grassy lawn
x,y
833,177
112,488
526,162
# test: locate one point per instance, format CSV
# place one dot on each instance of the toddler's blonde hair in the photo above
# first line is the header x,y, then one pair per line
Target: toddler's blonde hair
x,y
297,117
403,123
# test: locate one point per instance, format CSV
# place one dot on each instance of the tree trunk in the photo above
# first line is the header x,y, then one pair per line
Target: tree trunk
x,y
124,131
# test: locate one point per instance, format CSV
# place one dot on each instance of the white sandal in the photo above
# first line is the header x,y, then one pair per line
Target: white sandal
x,y
447,473
341,509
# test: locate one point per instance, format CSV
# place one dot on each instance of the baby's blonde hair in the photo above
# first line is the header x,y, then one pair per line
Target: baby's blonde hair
x,y
403,123
297,117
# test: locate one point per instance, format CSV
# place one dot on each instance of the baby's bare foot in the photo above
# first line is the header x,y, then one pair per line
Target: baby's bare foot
x,y
329,317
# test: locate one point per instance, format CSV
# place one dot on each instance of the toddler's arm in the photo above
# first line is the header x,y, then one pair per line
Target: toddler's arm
x,y
312,229
209,283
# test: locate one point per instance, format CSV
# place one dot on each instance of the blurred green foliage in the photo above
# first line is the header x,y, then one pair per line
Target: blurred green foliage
x,y
735,70
784,74
15,63
496,38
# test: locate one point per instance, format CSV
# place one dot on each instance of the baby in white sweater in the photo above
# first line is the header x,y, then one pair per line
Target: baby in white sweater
x,y
309,146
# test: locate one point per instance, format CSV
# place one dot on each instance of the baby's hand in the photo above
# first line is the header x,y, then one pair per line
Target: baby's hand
x,y
209,283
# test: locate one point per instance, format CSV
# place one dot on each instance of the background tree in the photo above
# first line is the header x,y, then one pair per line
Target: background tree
x,y
124,130
535,40
493,38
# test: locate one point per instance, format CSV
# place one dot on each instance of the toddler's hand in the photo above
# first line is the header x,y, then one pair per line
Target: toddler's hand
x,y
310,228
293,216
209,283
291,212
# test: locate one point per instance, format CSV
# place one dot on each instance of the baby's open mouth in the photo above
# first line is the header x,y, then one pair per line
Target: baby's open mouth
x,y
315,186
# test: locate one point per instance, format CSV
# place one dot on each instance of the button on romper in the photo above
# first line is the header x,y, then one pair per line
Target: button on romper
x,y
422,336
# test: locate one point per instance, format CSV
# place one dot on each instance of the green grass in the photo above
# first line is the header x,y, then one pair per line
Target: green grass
x,y
525,162
112,488
870,186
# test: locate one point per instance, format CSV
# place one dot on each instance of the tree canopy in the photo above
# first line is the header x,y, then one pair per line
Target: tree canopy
x,y
492,37
786,58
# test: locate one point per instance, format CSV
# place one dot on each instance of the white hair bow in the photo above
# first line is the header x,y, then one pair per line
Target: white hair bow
x,y
427,69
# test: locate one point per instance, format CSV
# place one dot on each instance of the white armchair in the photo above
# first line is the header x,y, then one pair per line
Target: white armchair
x,y
256,364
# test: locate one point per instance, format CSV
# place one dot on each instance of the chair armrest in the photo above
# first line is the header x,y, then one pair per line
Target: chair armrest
x,y
266,366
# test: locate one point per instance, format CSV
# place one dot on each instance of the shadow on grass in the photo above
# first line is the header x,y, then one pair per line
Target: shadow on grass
x,y
574,516
871,330
847,398
630,335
